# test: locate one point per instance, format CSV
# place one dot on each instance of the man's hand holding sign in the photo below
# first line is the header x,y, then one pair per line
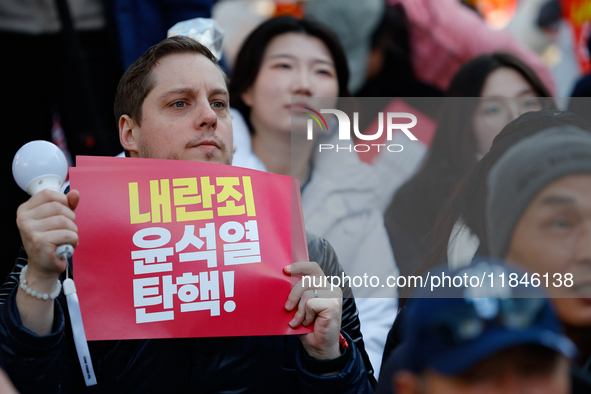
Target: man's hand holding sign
x,y
318,306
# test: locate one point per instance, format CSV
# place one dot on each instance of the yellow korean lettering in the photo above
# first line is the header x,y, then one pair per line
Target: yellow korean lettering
x,y
228,182
185,191
134,206
207,190
183,188
160,198
249,199
228,191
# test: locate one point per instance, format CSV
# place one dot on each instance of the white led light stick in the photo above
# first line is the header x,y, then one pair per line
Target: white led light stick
x,y
40,165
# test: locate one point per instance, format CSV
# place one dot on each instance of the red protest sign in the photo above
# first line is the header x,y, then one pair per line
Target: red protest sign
x,y
172,249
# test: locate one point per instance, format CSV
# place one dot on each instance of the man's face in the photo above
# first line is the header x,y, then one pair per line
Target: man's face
x,y
554,236
519,370
186,115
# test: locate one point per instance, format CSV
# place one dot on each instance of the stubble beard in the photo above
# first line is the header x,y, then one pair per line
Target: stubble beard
x,y
145,151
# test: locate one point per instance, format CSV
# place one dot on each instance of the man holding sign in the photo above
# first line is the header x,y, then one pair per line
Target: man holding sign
x,y
172,103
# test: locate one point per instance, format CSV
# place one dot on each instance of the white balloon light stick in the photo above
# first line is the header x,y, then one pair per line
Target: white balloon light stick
x,y
40,165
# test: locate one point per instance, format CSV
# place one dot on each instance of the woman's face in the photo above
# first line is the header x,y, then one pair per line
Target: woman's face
x,y
293,65
505,96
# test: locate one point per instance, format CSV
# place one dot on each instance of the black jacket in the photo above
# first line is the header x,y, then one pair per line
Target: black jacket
x,y
263,364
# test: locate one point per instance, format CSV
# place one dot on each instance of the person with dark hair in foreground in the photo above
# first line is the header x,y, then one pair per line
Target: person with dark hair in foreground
x,y
173,103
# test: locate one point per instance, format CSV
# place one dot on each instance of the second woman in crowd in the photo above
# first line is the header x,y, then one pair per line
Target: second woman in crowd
x,y
287,61
486,94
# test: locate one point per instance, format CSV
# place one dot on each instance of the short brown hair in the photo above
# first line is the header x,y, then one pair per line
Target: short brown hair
x,y
138,81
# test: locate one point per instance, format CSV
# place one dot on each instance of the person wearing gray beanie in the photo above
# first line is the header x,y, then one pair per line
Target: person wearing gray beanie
x,y
538,216
524,170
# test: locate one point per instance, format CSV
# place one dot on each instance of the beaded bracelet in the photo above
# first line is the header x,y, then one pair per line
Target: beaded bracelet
x,y
34,293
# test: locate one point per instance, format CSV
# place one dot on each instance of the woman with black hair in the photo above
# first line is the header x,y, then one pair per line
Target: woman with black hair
x,y
485,94
282,66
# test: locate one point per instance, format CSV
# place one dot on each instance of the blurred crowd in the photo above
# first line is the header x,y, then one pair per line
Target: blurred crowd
x,y
501,169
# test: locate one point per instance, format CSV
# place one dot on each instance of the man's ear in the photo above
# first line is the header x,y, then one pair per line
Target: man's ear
x,y
128,134
406,382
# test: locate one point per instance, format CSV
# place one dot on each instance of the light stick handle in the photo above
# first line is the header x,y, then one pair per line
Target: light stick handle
x,y
78,332
64,251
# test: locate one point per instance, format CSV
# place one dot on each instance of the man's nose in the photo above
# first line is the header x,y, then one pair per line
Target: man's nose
x,y
206,117
583,245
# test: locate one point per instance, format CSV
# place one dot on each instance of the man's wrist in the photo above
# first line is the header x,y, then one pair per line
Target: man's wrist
x,y
332,366
41,282
328,354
